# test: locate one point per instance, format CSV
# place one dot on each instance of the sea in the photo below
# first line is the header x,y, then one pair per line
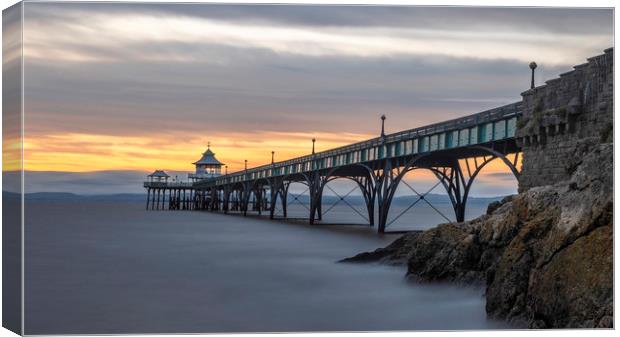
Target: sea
x,y
105,266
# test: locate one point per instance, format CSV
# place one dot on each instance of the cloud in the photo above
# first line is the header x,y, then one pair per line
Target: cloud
x,y
113,86
79,35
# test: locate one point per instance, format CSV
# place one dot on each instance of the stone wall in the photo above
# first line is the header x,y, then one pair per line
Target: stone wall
x,y
564,119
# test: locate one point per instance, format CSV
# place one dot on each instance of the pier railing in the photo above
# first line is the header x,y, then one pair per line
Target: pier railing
x,y
164,184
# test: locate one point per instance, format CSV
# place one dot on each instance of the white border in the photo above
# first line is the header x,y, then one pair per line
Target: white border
x,y
506,3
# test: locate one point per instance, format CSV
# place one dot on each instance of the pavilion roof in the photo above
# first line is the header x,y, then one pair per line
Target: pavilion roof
x,y
159,174
208,158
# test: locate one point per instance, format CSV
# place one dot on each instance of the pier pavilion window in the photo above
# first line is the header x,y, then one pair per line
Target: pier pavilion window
x,y
414,146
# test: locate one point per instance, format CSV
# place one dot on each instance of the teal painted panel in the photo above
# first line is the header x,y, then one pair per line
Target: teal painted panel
x,y
442,141
499,130
424,144
482,133
463,137
434,145
416,145
473,135
511,127
489,131
452,139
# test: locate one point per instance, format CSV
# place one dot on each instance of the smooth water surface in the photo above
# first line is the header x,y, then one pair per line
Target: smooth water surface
x,y
115,268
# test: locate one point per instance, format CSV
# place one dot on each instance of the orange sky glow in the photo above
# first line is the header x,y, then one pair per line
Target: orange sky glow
x,y
89,152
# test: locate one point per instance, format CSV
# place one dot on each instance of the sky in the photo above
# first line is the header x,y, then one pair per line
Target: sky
x,y
114,90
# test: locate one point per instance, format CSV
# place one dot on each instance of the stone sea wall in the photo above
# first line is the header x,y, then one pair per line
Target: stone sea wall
x,y
564,119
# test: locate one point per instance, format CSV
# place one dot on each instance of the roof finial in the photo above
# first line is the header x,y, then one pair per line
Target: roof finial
x,y
208,145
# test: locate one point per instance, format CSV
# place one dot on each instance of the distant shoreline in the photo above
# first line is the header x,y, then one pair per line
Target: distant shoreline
x,y
405,200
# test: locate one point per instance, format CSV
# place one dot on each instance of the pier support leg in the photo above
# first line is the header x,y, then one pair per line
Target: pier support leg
x,y
284,200
158,197
163,199
386,186
148,196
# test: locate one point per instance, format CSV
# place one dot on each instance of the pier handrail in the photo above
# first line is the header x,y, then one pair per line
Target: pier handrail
x,y
164,184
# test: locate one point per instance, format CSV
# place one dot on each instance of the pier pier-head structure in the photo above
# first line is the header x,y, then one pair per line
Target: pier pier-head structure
x,y
454,151
178,195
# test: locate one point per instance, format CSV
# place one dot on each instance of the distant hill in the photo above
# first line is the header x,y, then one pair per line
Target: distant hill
x,y
77,197
327,199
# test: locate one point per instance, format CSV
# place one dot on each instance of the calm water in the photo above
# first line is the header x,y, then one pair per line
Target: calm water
x,y
113,267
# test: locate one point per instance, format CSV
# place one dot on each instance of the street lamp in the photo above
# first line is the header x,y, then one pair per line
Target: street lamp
x,y
313,141
382,125
533,66
272,153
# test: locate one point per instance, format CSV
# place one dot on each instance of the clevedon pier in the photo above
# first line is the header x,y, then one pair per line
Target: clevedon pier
x,y
455,151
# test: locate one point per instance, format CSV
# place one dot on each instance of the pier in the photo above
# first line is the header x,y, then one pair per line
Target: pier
x,y
455,151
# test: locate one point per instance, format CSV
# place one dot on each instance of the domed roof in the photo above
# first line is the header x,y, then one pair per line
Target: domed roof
x,y
208,158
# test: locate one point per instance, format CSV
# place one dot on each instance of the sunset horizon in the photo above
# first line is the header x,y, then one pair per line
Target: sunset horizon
x,y
139,91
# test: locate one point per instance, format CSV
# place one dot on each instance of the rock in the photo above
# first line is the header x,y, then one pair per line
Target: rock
x,y
493,206
606,322
545,255
394,254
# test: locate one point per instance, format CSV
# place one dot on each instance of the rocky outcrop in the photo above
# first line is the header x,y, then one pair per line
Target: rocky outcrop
x,y
545,255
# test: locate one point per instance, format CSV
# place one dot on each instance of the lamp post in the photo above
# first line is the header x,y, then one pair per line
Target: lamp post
x,y
246,164
313,141
272,154
382,125
226,169
533,66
